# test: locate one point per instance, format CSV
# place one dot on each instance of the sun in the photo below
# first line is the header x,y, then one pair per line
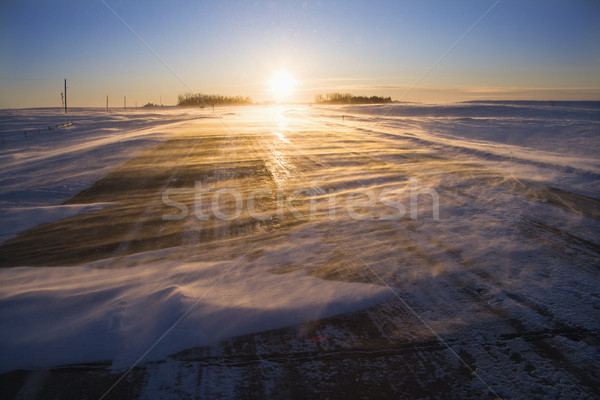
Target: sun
x,y
282,85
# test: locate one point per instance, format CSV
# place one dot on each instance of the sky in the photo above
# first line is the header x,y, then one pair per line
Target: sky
x,y
428,51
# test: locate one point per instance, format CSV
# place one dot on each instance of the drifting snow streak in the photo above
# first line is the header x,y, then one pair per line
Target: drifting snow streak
x,y
507,275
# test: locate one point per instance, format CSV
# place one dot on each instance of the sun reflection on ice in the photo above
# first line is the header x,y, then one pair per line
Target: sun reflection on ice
x,y
281,127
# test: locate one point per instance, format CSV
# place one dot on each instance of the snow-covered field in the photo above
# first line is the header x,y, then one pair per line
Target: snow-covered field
x,y
439,251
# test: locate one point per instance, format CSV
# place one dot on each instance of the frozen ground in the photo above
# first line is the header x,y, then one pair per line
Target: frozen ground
x,y
363,251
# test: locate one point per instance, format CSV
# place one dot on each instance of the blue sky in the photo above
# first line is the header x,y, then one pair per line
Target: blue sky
x,y
520,50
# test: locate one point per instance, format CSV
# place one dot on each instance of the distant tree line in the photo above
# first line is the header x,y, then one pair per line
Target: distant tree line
x,y
347,98
199,99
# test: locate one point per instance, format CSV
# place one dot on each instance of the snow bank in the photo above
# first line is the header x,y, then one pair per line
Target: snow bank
x,y
555,143
53,316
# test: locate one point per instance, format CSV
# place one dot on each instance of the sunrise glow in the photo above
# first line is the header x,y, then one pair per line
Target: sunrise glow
x,y
299,199
281,86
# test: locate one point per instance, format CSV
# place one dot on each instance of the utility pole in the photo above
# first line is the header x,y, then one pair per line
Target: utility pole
x,y
125,102
107,103
65,95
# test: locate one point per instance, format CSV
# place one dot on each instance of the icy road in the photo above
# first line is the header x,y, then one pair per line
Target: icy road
x,y
302,252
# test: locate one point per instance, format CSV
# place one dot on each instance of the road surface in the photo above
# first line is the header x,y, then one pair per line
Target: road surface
x,y
491,278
